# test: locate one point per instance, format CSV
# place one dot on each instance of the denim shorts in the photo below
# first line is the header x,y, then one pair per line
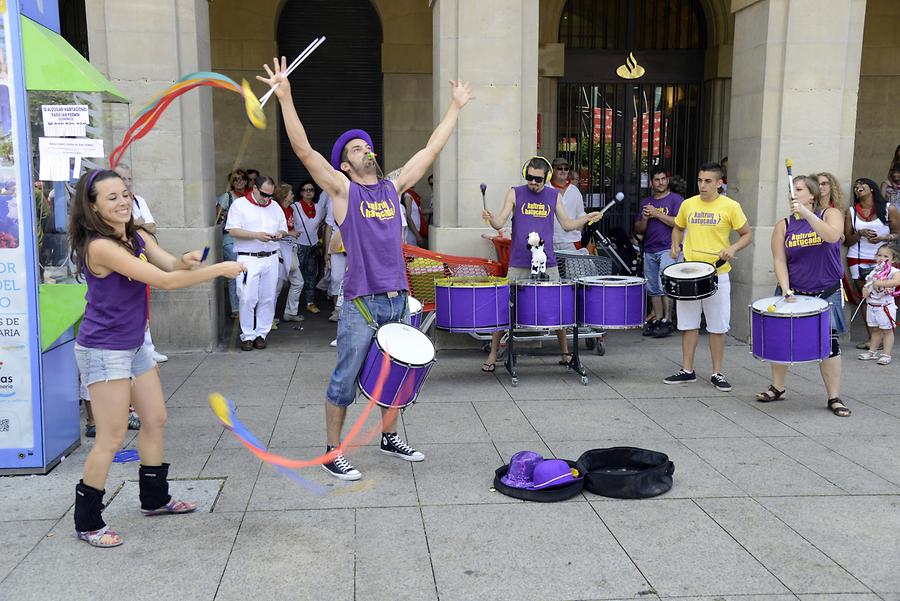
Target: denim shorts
x,y
654,265
835,310
102,365
354,337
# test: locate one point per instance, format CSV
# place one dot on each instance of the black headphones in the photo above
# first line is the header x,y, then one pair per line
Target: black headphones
x,y
549,168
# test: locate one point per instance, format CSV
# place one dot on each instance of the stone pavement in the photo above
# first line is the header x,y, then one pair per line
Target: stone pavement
x,y
778,501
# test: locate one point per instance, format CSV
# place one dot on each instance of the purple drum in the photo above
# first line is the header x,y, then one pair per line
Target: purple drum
x,y
544,304
797,332
610,301
472,304
415,312
411,357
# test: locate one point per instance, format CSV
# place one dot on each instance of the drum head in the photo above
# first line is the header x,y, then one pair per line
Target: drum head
x,y
610,280
803,305
471,281
405,344
414,305
689,270
527,282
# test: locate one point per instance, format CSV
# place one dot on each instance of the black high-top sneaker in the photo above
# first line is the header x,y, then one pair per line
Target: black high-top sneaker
x,y
392,444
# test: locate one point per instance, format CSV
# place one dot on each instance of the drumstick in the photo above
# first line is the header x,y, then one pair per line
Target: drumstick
x,y
294,64
205,253
619,197
788,164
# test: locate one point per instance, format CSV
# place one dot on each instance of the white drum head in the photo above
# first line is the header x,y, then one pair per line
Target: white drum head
x,y
803,305
610,280
414,305
405,343
689,270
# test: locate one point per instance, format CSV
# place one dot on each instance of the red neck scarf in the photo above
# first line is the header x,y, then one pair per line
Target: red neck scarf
x,y
309,209
249,196
869,215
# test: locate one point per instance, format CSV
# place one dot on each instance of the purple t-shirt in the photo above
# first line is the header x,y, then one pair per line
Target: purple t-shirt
x,y
533,212
372,234
813,264
116,312
658,235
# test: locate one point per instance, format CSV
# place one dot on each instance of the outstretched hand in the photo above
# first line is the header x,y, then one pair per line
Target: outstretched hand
x,y
460,93
276,78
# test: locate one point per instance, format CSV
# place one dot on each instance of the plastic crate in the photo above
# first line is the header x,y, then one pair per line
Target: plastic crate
x,y
574,265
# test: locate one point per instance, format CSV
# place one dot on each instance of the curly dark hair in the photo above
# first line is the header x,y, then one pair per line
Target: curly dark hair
x,y
86,225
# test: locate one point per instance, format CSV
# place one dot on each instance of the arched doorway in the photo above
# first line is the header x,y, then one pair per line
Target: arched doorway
x,y
339,87
631,96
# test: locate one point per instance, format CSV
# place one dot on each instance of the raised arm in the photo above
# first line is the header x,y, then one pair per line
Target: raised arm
x,y
318,166
415,168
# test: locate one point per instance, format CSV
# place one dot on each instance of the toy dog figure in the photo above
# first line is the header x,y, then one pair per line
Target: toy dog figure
x,y
538,256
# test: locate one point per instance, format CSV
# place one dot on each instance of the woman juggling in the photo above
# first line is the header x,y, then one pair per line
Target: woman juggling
x,y
806,251
118,264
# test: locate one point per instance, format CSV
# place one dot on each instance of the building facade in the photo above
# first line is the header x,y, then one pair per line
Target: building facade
x,y
615,85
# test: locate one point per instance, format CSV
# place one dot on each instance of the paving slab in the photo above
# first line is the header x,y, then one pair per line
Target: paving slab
x,y
238,471
18,541
688,418
126,502
860,533
682,551
504,421
458,474
527,551
438,423
589,419
878,454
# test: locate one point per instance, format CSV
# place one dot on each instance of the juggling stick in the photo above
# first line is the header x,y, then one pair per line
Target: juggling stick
x,y
294,64
789,164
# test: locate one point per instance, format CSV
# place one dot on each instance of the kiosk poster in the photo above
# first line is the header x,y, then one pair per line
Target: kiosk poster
x,y
16,428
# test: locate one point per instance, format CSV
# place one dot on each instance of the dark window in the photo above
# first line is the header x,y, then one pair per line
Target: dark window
x,y
632,25
73,25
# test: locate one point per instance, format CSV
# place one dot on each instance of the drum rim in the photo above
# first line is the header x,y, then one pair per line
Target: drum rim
x,y
528,282
764,360
635,281
775,299
398,361
485,281
698,277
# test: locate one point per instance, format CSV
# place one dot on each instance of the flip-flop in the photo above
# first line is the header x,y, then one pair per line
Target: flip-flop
x,y
488,367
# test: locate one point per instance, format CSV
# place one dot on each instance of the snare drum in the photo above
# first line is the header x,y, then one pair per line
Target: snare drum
x,y
610,301
411,356
798,332
472,304
543,304
415,312
691,280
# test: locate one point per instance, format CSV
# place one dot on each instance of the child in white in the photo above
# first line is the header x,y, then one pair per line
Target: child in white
x,y
881,313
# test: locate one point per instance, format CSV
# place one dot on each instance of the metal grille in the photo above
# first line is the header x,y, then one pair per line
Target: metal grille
x,y
656,25
339,87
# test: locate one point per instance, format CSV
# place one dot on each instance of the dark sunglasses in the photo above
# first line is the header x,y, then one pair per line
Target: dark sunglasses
x,y
562,168
307,189
535,178
264,195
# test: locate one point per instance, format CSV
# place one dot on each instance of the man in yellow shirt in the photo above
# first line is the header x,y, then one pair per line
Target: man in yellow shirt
x,y
708,220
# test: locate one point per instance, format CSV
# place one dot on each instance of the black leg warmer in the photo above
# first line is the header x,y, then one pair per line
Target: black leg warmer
x,y
88,505
154,486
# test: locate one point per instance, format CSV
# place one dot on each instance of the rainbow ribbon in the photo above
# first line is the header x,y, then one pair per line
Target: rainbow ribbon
x,y
150,114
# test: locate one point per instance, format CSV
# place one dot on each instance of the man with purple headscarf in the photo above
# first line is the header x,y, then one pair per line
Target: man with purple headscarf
x,y
367,210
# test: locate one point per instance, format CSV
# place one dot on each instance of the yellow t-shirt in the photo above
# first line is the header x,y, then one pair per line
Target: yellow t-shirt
x,y
708,227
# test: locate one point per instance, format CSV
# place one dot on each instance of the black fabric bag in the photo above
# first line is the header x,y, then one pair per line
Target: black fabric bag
x,y
547,495
626,472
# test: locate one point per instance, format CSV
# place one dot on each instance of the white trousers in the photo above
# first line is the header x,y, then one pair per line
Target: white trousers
x,y
295,277
256,293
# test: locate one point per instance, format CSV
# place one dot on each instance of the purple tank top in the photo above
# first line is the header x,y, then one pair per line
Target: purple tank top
x,y
372,234
116,312
813,264
533,212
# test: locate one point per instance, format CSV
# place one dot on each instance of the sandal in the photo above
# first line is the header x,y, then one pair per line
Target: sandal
x,y
172,506
563,362
103,538
838,407
772,394
488,368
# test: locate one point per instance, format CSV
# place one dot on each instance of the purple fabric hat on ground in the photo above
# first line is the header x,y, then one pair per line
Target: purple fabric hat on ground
x,y
551,473
338,148
521,469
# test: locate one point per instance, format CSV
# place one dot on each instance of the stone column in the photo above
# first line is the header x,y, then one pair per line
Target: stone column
x,y
496,50
143,47
794,93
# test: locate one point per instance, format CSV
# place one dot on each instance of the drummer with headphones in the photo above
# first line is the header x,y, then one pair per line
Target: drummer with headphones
x,y
533,208
705,223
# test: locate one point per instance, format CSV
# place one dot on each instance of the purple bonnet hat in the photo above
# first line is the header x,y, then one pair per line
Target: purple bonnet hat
x,y
521,469
553,473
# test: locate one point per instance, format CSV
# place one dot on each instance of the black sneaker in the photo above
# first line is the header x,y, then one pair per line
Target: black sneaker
x,y
340,468
682,377
664,328
719,381
650,328
392,444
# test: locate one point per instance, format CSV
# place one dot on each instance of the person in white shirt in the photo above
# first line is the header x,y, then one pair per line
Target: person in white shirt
x,y
572,201
257,224
308,216
290,264
143,218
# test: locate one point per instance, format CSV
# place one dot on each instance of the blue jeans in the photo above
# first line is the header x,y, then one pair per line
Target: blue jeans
x,y
309,267
654,265
354,337
102,365
228,254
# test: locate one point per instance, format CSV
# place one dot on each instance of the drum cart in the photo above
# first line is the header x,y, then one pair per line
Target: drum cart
x,y
532,334
573,265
